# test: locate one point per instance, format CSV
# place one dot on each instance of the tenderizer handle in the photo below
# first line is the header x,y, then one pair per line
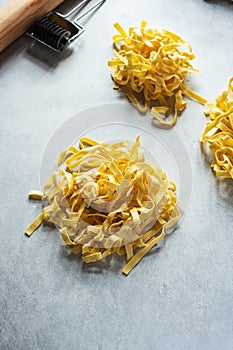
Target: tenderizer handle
x,y
18,15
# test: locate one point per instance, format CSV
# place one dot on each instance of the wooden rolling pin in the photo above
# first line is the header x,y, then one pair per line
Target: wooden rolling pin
x,y
18,15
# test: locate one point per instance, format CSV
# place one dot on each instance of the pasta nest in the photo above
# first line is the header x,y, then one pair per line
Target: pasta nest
x,y
153,62
219,132
106,198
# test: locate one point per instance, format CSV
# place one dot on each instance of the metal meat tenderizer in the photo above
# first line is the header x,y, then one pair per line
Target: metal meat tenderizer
x,y
57,31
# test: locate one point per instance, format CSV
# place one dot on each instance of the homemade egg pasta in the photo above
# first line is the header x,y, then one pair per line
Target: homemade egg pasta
x,y
219,132
153,62
106,198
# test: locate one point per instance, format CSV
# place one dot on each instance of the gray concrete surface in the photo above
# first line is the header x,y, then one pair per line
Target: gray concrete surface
x,y
177,298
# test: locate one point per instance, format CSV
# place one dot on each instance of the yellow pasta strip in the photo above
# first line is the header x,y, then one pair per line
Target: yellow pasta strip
x,y
36,195
153,62
87,141
194,95
92,257
120,30
34,225
61,158
77,249
141,253
129,251
157,115
65,235
152,232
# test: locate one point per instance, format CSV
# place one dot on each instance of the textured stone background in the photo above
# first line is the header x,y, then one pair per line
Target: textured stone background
x,y
177,298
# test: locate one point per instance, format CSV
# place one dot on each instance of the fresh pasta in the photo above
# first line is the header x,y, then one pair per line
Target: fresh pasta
x,y
219,132
153,62
106,198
